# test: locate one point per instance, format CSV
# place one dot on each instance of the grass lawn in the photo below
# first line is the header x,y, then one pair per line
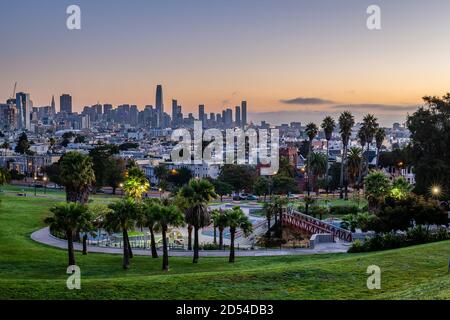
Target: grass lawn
x,y
29,270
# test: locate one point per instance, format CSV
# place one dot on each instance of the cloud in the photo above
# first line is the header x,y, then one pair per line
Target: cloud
x,y
306,101
375,107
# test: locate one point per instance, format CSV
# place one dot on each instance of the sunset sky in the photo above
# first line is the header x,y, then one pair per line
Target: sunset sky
x,y
292,60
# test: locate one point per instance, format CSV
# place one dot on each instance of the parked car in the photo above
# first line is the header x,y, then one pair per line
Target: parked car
x,y
252,197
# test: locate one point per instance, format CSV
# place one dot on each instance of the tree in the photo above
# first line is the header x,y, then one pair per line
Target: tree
x,y
66,137
4,176
135,187
218,217
121,218
161,172
167,215
311,131
283,185
401,188
355,164
148,218
377,187
362,141
77,176
380,135
53,172
318,162
370,127
309,201
115,173
79,139
346,123
401,214
23,145
239,176
101,160
68,218
221,188
237,220
270,210
198,193
179,177
261,187
328,126
430,143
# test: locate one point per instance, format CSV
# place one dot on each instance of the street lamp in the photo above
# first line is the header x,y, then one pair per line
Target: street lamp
x,y
121,189
45,184
35,179
436,191
160,192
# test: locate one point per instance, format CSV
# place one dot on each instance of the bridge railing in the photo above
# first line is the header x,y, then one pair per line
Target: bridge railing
x,y
341,233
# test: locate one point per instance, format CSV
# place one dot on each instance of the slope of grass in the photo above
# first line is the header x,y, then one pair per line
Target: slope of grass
x,y
29,270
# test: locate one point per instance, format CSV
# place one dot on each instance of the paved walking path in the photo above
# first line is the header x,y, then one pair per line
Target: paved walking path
x,y
43,236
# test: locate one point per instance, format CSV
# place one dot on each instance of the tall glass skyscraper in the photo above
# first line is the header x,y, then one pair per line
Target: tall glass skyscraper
x,y
159,106
244,113
65,103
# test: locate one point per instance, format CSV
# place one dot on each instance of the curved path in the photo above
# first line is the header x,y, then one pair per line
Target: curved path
x,y
43,236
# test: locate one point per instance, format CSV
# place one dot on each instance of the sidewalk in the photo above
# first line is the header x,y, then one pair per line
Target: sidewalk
x,y
43,236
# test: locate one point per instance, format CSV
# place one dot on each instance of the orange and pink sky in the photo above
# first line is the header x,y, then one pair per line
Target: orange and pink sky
x,y
292,60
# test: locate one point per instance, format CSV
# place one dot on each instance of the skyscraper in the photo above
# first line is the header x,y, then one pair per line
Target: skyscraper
x,y
238,116
24,109
159,106
244,113
201,113
65,103
53,106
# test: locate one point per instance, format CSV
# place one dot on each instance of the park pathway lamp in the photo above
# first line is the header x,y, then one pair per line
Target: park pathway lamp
x,y
35,180
160,192
121,189
45,184
436,191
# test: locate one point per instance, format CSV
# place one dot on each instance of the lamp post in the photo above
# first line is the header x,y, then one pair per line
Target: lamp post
x,y
160,192
121,190
436,191
35,179
45,184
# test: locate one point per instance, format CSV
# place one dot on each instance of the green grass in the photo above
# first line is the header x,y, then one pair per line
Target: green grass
x,y
29,270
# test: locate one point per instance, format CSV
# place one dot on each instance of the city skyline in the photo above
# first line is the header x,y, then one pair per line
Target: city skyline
x,y
311,59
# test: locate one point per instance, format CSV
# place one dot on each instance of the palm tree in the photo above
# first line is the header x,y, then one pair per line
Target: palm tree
x,y
311,131
68,218
148,219
167,215
362,141
346,123
220,221
77,176
237,220
354,164
198,193
270,210
380,135
370,126
121,219
318,164
328,126
135,187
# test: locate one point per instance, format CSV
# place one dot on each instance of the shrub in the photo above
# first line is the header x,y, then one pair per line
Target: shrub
x,y
392,240
318,211
344,210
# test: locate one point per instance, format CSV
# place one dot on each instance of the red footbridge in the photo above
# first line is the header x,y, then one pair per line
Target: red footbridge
x,y
305,223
